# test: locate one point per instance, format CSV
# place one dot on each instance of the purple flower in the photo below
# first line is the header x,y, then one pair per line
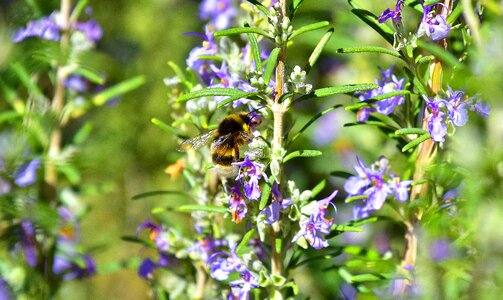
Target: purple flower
x,y
247,282
395,15
317,223
388,83
440,250
369,182
223,263
253,172
4,186
272,211
400,188
45,28
148,266
433,25
237,204
28,242
27,173
5,290
203,248
76,83
219,12
481,108
209,47
436,123
157,234
91,29
457,107
73,266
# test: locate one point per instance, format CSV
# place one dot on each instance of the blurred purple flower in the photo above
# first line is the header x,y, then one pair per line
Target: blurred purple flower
x,y
395,15
28,242
247,282
326,129
205,247
4,186
5,290
157,234
440,250
237,204
400,188
433,25
219,12
388,83
76,83
148,266
45,28
91,29
73,266
481,108
253,172
27,173
317,223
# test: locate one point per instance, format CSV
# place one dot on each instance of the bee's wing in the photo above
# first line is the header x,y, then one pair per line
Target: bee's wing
x,y
197,141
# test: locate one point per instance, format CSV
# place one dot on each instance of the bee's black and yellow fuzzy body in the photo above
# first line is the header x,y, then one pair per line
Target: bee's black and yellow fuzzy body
x,y
232,133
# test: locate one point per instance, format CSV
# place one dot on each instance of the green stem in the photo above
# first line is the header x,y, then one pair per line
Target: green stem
x,y
278,110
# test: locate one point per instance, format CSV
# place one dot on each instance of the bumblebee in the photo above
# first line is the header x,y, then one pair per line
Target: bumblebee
x,y
231,134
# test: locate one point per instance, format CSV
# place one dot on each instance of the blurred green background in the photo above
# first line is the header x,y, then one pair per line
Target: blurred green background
x,y
126,155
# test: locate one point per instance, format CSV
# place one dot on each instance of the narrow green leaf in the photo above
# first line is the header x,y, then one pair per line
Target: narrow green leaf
x,y
210,92
359,105
271,64
369,49
241,30
346,228
135,239
83,133
363,221
9,115
169,129
345,275
25,78
313,58
178,72
294,6
384,30
456,12
354,198
244,242
255,52
310,27
266,192
425,59
301,153
318,188
416,142
205,208
405,131
78,10
158,193
342,174
371,277
90,75
260,6
311,121
373,123
211,57
118,89
237,97
440,53
344,89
